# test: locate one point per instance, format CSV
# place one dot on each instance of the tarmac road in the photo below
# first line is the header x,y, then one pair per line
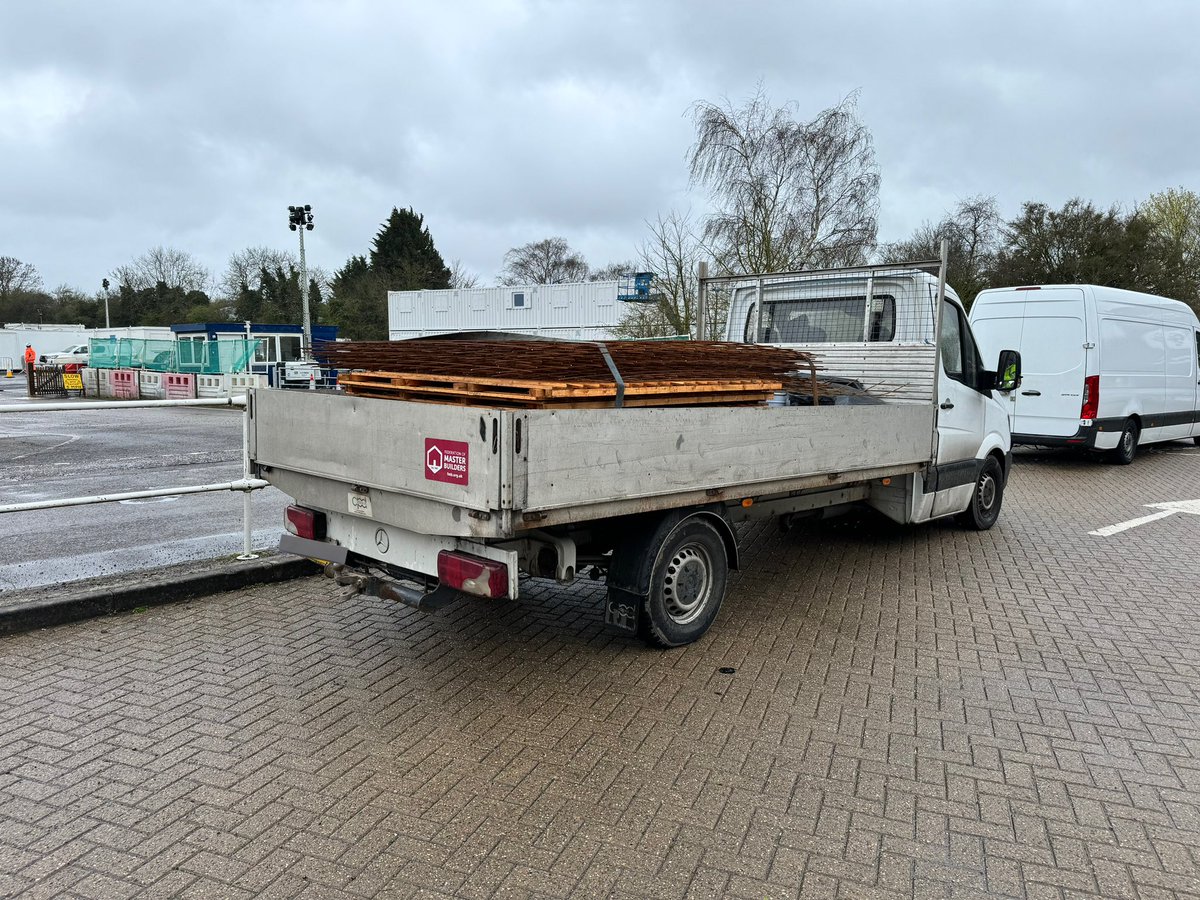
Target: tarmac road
x,y
50,455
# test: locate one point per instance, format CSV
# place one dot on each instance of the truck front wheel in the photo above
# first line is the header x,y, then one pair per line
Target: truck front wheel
x,y
986,499
687,585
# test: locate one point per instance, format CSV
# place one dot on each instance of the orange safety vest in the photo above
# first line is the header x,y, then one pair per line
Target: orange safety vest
x,y
30,355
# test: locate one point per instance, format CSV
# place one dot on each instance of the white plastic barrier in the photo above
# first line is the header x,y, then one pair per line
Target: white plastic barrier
x,y
238,384
104,386
212,385
91,381
151,385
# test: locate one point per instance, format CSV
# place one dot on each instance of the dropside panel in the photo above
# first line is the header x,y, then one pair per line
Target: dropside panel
x,y
590,457
436,452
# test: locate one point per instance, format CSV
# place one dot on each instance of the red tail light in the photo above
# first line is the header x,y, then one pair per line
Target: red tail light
x,y
1091,398
305,523
473,574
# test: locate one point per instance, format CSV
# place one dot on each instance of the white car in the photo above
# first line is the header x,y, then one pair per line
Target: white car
x,y
76,353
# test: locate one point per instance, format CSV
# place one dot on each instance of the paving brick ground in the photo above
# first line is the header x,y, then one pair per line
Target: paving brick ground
x,y
922,712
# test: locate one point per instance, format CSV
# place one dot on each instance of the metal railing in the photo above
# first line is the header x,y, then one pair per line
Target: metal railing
x,y
245,484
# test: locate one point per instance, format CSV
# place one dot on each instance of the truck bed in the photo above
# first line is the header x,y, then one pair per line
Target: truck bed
x,y
498,472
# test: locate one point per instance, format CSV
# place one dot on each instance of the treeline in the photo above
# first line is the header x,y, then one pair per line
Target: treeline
x,y
1154,247
784,193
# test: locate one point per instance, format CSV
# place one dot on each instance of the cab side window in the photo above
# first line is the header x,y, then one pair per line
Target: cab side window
x,y
960,355
951,343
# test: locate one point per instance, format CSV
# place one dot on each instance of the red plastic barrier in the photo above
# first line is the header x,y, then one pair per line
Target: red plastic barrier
x,y
125,384
180,387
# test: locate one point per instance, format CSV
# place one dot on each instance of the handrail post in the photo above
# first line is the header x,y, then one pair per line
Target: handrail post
x,y
247,551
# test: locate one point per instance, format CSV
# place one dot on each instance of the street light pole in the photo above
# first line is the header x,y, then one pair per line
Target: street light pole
x,y
300,219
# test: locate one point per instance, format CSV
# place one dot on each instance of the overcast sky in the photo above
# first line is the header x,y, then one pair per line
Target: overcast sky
x,y
125,125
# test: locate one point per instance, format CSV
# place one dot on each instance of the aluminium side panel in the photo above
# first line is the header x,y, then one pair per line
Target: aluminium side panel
x,y
592,457
446,454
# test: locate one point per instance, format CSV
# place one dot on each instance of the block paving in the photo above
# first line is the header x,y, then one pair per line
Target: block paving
x,y
920,712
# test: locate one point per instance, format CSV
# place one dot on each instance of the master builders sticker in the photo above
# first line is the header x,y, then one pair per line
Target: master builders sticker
x,y
446,461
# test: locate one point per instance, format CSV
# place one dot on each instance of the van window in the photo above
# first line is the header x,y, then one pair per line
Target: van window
x,y
822,320
960,355
748,335
952,355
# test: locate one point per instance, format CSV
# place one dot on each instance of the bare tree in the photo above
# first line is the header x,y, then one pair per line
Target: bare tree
x,y
245,267
174,268
788,194
613,271
17,277
460,277
972,231
550,261
671,252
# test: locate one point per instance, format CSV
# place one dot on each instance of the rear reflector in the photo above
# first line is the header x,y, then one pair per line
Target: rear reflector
x,y
473,574
305,523
1091,398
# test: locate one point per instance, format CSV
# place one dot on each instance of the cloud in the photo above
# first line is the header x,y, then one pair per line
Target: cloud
x,y
128,125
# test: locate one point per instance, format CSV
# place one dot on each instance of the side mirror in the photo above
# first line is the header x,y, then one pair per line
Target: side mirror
x,y
1008,371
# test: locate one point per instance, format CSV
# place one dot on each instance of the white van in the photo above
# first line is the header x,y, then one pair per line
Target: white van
x,y
1104,369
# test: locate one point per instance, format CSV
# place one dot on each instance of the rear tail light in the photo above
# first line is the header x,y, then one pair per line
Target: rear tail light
x,y
305,523
473,574
1091,398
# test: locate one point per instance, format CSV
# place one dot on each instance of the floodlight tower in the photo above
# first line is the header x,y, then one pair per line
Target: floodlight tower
x,y
300,218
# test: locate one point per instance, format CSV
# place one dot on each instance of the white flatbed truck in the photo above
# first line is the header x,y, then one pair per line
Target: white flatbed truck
x,y
421,502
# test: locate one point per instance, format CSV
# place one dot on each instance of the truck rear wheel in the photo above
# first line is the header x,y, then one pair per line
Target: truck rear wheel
x,y
687,585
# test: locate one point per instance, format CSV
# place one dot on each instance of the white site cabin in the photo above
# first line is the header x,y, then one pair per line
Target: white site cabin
x,y
587,311
1105,369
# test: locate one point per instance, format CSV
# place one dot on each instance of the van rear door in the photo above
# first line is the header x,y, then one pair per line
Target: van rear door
x,y
1054,358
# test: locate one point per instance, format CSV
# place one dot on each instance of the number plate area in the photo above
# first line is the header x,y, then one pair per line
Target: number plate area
x,y
409,550
359,504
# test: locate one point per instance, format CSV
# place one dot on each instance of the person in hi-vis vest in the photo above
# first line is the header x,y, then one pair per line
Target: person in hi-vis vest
x,y
30,359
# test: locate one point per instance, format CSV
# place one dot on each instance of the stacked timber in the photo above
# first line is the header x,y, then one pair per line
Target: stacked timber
x,y
556,374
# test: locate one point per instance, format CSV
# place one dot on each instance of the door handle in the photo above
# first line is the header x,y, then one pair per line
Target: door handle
x,y
946,404
1031,393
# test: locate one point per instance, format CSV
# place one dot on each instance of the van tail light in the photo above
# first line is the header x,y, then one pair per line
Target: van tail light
x,y
473,574
305,523
1091,398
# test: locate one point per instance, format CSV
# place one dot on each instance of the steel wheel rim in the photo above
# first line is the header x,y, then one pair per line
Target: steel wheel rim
x,y
987,492
687,583
1127,441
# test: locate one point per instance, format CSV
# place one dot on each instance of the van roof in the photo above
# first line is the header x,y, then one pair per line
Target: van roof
x,y
1099,291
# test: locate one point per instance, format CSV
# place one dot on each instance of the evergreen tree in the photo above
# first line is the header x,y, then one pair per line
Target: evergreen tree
x,y
402,258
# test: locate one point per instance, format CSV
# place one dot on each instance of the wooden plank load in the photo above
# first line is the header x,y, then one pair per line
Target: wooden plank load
x,y
559,374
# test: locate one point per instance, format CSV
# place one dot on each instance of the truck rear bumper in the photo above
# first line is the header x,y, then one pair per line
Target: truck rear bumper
x,y
353,539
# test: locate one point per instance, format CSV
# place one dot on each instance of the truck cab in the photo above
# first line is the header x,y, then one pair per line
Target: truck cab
x,y
876,327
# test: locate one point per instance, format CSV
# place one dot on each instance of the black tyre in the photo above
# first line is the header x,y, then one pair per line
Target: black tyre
x,y
986,499
1197,440
1127,445
687,585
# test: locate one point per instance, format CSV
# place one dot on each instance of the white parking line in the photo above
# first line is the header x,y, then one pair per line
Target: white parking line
x,y
1109,530
1168,509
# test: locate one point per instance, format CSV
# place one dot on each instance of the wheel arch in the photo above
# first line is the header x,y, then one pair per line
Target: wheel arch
x,y
634,558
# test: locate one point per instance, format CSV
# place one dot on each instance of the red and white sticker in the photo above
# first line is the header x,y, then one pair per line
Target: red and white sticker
x,y
446,461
